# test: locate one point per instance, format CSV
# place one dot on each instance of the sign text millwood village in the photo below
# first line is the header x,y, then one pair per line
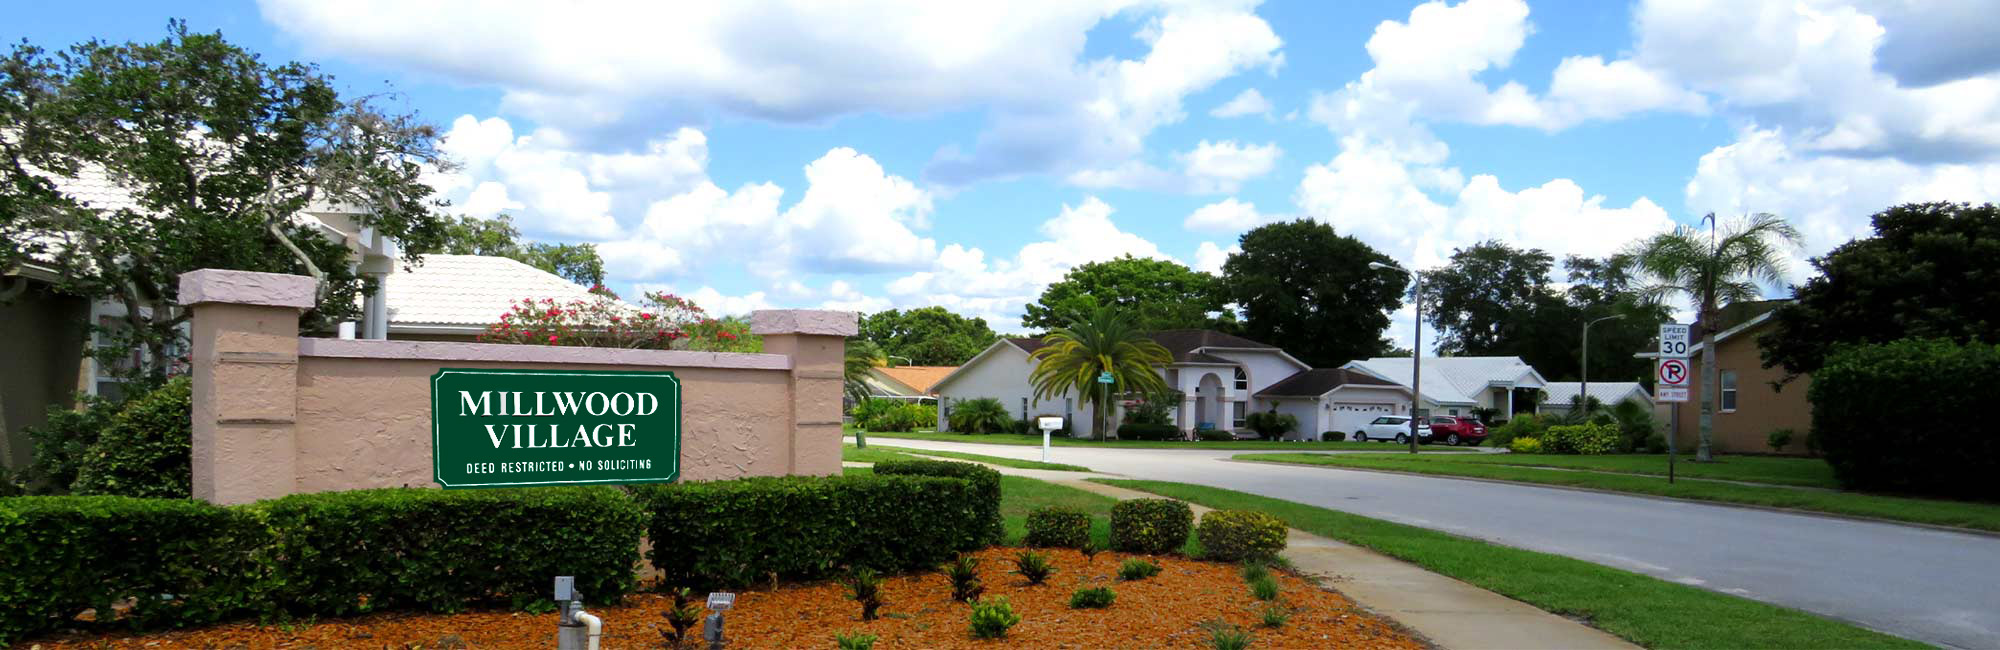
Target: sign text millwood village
x,y
514,428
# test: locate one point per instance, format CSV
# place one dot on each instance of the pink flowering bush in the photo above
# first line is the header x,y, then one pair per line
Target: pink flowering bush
x,y
660,322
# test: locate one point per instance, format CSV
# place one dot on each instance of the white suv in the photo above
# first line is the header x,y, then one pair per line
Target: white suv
x,y
1393,427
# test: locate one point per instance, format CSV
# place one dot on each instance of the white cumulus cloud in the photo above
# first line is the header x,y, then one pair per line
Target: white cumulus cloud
x,y
1248,102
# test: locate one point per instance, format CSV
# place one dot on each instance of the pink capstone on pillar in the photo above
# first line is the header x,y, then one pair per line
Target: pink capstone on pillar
x,y
816,340
245,362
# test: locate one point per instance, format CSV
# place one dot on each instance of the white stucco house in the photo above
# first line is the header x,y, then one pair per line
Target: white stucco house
x,y
1457,385
1563,393
1221,378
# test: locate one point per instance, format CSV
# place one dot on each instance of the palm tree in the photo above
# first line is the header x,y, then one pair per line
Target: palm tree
x,y
1710,273
862,355
1103,340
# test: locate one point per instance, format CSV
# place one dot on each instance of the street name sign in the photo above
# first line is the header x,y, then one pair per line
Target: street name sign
x,y
1671,381
1673,341
1104,377
514,428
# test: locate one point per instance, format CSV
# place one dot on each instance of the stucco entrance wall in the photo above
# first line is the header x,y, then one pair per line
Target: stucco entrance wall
x,y
277,414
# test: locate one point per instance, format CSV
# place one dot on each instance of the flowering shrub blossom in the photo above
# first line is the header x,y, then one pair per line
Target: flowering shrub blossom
x,y
660,322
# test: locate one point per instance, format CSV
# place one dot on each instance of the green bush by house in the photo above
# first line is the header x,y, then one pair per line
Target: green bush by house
x,y
1886,417
447,550
145,452
888,415
985,480
1234,535
1138,431
807,527
1058,526
61,555
983,415
1523,425
1151,526
1584,439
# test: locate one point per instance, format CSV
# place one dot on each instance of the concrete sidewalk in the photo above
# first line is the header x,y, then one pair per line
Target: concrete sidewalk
x,y
1450,613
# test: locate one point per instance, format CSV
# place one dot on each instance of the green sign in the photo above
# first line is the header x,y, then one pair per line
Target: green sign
x,y
1104,377
513,428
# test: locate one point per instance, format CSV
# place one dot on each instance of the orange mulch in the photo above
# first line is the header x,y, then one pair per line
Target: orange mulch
x,y
1167,610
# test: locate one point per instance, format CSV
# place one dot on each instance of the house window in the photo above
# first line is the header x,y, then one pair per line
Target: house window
x,y
1242,380
1236,414
1728,391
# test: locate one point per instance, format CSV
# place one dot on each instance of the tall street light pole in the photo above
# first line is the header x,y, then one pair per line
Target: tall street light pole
x,y
1584,395
1416,352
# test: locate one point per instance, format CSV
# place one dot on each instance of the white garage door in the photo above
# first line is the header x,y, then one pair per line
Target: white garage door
x,y
1349,417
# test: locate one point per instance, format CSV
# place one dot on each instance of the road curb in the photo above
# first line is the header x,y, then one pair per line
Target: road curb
x,y
1704,502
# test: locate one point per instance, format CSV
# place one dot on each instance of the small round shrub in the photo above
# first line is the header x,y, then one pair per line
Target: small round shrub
x,y
1137,569
1151,526
1059,527
1234,535
983,415
1585,439
1095,598
1333,436
992,618
1525,446
1216,435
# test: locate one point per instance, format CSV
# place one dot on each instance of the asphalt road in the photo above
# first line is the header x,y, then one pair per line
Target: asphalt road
x,y
1934,586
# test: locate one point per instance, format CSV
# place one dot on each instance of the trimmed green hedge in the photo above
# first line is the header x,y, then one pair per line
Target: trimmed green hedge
x,y
62,555
1887,417
734,533
1137,431
338,553
985,479
1232,535
1151,526
1585,439
1058,527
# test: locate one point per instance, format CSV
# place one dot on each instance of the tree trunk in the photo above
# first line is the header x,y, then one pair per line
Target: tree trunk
x,y
1709,377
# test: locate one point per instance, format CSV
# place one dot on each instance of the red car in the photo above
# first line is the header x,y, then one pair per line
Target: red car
x,y
1456,430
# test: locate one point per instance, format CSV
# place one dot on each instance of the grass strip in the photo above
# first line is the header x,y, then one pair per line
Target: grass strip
x,y
852,454
1775,470
1647,611
1245,445
1979,516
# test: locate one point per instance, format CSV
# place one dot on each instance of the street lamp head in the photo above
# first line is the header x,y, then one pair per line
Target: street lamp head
x,y
1380,266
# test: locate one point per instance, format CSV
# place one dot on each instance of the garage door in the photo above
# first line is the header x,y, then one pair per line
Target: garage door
x,y
1349,417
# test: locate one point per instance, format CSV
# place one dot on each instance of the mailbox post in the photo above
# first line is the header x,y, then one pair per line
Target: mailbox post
x,y
1047,425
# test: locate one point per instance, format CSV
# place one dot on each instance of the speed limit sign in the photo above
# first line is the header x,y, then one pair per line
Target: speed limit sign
x,y
1673,341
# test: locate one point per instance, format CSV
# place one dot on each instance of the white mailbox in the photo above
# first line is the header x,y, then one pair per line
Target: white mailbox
x,y
1049,423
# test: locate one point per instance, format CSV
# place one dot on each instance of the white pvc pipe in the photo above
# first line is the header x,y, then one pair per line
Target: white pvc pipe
x,y
592,625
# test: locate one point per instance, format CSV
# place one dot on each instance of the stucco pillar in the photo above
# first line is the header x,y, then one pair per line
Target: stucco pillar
x,y
816,340
245,336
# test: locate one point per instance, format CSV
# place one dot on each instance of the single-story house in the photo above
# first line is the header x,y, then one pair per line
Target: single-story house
x,y
1329,400
909,383
1562,394
1750,402
1220,377
1457,385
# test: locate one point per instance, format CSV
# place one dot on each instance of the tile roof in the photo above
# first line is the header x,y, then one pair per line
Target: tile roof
x,y
920,378
1561,393
470,290
1183,344
1454,380
1317,381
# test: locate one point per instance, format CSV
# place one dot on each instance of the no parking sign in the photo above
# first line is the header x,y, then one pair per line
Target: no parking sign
x,y
1672,381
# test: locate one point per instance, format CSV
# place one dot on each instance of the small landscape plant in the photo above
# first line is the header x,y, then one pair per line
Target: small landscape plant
x,y
1233,535
684,615
1058,526
1034,566
1092,598
1089,550
992,618
1224,636
1137,569
1215,435
856,641
1585,439
1525,445
964,574
865,587
1333,436
1275,615
1265,588
1150,526
1254,570
982,415
1779,439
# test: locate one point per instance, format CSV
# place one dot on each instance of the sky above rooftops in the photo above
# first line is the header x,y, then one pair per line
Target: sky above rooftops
x,y
912,154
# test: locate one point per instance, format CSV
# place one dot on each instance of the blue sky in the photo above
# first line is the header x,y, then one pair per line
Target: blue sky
x,y
909,154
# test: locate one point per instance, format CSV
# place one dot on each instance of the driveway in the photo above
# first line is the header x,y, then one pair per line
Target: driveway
x,y
1934,586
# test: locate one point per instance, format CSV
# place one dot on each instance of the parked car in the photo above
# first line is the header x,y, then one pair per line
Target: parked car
x,y
1392,427
1457,430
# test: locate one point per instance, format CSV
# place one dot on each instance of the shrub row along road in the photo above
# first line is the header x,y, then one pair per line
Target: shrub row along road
x,y
1931,585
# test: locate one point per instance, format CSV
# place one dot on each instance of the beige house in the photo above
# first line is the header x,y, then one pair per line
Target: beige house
x,y
1750,403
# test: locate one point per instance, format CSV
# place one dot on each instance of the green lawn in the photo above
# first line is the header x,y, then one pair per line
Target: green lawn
x,y
1925,511
1058,441
1650,612
878,454
1020,495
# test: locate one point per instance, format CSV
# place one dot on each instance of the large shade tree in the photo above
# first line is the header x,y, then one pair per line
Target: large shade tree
x,y
1158,294
1305,288
219,153
498,237
927,336
1709,271
1103,341
1932,270
1492,299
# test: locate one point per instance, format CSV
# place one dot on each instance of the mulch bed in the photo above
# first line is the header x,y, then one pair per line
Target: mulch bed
x,y
1167,610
